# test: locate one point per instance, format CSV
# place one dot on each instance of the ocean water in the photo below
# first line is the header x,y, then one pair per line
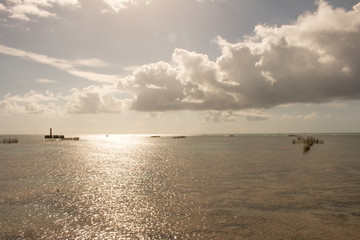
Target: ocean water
x,y
199,187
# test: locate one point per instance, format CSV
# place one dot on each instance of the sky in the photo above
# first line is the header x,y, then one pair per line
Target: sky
x,y
179,66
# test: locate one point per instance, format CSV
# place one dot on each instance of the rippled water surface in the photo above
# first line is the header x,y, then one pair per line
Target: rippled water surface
x,y
209,187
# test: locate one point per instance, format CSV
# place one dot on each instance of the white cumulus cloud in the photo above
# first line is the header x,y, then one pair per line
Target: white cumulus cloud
x,y
313,60
31,103
93,100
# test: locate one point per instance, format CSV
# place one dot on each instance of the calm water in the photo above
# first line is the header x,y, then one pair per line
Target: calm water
x,y
214,187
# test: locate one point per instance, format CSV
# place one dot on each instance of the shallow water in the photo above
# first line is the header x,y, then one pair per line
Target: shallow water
x,y
200,187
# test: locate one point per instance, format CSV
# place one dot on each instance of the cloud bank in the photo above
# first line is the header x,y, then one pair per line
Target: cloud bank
x,y
313,60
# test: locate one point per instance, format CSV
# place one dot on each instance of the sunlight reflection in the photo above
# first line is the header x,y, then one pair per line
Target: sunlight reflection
x,y
111,181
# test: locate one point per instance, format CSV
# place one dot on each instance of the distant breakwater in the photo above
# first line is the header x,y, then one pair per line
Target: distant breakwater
x,y
9,140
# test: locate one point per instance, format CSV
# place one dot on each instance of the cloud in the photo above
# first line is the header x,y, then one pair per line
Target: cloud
x,y
90,100
91,62
310,116
27,9
2,7
69,66
156,88
31,103
33,96
94,100
231,116
193,82
117,5
44,80
313,60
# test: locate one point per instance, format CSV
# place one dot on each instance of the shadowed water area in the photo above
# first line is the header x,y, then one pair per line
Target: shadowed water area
x,y
199,187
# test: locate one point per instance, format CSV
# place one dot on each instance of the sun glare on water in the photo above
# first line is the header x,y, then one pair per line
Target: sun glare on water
x,y
111,176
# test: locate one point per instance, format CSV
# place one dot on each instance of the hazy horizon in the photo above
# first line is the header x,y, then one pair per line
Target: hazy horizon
x,y
232,134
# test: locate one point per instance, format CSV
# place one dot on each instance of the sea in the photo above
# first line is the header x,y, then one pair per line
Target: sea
x,y
198,187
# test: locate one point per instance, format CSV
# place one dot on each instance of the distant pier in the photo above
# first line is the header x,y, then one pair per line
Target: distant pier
x,y
59,137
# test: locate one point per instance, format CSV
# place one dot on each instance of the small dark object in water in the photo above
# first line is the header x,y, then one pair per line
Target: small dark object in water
x,y
179,137
308,142
306,148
